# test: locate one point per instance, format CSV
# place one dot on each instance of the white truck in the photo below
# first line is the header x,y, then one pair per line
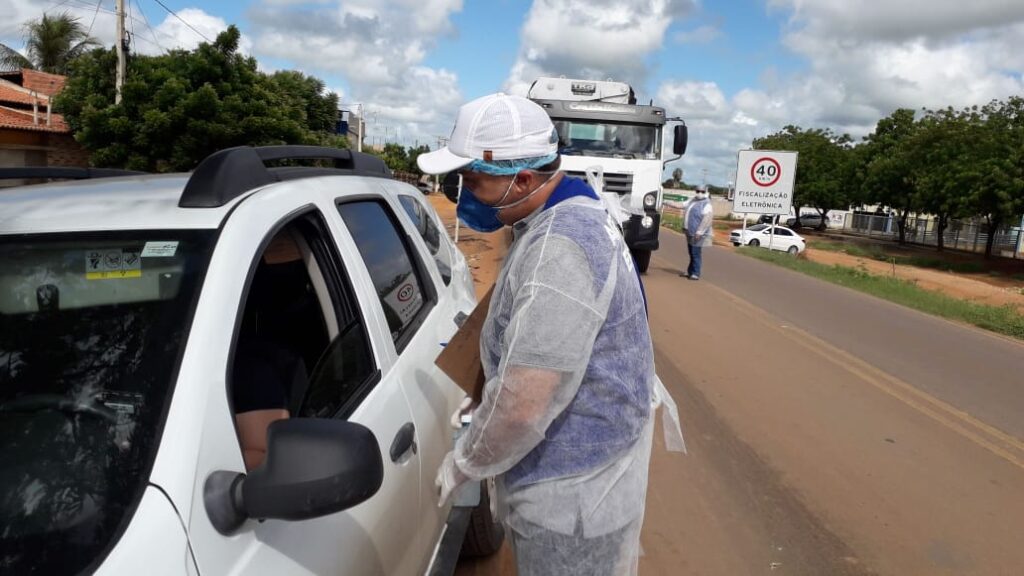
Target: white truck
x,y
600,124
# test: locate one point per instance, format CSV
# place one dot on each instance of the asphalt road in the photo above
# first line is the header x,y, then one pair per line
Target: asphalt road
x,y
829,433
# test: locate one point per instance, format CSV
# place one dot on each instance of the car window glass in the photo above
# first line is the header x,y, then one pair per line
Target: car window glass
x,y
390,263
302,346
92,328
782,232
431,235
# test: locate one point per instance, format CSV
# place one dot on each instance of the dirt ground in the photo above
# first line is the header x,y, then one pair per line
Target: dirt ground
x,y
982,288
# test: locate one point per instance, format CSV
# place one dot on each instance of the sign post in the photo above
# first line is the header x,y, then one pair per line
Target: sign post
x,y
764,184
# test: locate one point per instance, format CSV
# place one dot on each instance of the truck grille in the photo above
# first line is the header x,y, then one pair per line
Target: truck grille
x,y
613,182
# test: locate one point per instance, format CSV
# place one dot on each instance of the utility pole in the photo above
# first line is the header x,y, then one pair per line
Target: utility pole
x,y
122,66
361,128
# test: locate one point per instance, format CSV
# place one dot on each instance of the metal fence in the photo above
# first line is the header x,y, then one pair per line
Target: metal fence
x,y
959,234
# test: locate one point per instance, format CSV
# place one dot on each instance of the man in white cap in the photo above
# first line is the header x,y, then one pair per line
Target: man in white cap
x,y
565,422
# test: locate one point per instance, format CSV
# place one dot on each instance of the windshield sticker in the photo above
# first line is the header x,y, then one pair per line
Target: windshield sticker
x,y
112,264
159,249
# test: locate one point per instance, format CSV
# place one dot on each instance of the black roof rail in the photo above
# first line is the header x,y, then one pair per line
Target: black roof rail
x,y
62,172
228,173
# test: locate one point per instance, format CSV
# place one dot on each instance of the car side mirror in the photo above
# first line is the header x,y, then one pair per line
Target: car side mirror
x,y
313,467
681,133
451,185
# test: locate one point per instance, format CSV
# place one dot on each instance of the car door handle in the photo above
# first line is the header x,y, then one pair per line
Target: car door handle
x,y
404,441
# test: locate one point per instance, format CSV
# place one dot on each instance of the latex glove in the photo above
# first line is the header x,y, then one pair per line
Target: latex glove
x,y
464,408
449,478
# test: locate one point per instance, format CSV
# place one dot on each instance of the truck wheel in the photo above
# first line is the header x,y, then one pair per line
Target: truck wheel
x,y
643,259
484,534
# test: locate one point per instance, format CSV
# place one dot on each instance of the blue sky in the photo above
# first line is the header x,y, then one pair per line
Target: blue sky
x,y
735,70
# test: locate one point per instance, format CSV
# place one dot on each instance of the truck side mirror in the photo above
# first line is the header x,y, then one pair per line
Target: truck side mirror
x,y
681,137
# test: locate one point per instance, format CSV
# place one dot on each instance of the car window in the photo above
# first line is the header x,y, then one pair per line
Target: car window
x,y
92,328
392,266
759,227
782,232
302,344
431,235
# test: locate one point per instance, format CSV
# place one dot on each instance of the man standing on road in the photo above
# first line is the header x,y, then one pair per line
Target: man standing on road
x,y
565,422
697,219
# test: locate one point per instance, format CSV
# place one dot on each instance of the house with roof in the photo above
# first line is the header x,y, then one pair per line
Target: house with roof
x,y
31,133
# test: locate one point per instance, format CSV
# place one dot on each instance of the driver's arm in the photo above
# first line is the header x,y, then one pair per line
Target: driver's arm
x,y
252,434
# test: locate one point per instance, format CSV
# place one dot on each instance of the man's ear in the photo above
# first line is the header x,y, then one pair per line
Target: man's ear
x,y
525,179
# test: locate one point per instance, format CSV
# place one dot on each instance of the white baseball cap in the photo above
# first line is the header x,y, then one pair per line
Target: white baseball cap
x,y
495,127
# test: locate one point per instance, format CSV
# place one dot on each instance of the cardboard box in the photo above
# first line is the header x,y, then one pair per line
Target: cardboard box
x,y
460,359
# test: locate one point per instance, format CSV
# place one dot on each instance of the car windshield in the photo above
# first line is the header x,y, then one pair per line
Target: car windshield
x,y
758,227
92,327
583,138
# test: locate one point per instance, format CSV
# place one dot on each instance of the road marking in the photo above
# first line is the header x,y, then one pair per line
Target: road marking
x,y
992,439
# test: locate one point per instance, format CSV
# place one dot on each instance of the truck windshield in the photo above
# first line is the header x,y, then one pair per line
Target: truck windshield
x,y
92,327
588,138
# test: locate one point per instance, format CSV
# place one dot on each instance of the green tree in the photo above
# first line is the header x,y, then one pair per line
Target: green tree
x,y
936,151
993,169
396,157
51,43
180,107
414,153
11,59
820,166
890,178
308,93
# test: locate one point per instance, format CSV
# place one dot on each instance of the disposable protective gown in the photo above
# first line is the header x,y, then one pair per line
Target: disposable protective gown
x,y
565,423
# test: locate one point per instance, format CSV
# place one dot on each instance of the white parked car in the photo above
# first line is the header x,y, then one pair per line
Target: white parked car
x,y
229,372
760,235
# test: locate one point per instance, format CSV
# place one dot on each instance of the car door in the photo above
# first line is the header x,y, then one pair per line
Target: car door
x,y
420,314
432,395
783,239
346,382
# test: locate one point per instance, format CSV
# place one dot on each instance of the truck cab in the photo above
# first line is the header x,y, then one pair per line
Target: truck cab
x,y
600,125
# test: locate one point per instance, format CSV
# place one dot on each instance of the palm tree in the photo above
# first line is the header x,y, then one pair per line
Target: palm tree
x,y
11,59
51,43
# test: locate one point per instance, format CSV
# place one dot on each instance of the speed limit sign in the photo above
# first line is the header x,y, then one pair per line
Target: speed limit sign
x,y
765,171
764,182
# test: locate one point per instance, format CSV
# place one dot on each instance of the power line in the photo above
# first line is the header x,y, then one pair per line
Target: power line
x,y
172,13
131,21
94,14
59,4
151,31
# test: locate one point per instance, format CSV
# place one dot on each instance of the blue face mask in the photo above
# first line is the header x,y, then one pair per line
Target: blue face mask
x,y
484,218
476,214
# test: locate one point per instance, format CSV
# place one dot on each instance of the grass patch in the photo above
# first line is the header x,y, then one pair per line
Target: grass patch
x,y
880,254
1000,319
672,221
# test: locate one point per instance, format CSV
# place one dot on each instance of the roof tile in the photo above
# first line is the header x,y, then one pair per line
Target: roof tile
x,y
20,120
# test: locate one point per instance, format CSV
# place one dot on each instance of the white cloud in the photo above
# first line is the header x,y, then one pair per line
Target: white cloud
x,y
592,39
378,47
864,59
173,33
165,35
900,20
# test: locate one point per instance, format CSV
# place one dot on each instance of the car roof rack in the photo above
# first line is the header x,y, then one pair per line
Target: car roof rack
x,y
62,173
229,173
